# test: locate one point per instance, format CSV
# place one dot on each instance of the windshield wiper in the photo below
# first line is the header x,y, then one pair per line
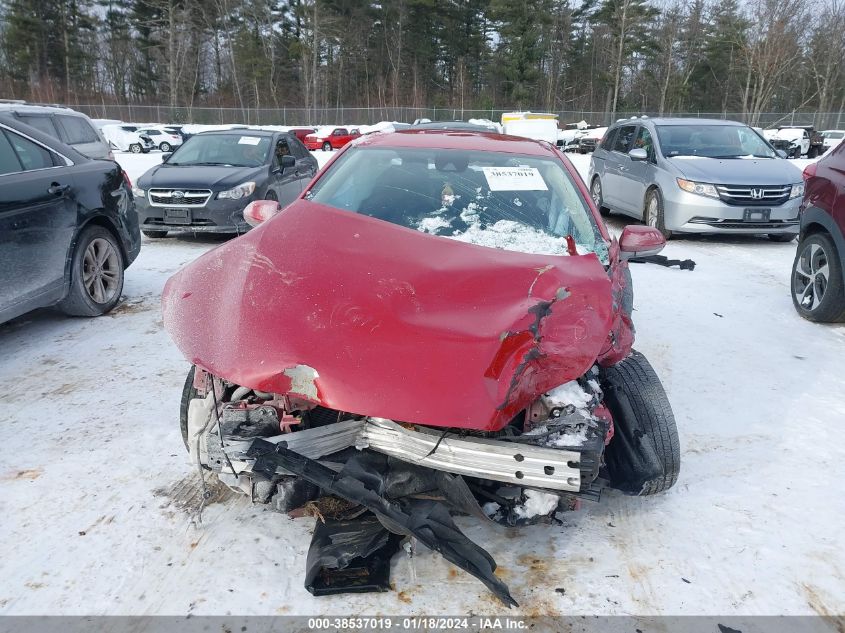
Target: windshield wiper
x,y
742,156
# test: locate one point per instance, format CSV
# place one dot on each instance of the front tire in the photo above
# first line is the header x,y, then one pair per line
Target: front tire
x,y
644,456
818,292
654,214
96,274
165,147
597,195
327,147
135,148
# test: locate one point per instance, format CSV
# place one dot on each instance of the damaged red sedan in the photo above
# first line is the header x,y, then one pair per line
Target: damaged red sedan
x,y
439,325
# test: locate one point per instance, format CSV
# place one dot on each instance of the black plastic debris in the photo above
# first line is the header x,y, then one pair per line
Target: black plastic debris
x,y
662,260
362,480
350,556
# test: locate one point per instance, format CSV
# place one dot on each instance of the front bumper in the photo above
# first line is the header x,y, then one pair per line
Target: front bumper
x,y
690,213
216,216
519,464
312,145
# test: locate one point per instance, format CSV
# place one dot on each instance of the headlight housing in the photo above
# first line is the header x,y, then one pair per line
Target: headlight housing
x,y
797,191
138,192
236,193
699,188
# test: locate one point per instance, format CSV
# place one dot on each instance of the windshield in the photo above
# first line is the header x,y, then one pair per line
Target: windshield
x,y
230,150
833,134
506,201
712,141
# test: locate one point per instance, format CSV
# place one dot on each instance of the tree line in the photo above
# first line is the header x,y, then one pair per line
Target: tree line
x,y
731,56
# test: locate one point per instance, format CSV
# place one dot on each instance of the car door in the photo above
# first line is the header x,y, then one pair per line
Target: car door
x,y
339,137
616,166
637,174
286,181
37,222
306,164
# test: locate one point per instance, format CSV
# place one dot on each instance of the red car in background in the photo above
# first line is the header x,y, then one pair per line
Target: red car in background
x,y
330,137
301,132
818,290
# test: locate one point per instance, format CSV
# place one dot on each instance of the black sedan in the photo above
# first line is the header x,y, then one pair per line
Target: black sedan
x,y
206,183
68,226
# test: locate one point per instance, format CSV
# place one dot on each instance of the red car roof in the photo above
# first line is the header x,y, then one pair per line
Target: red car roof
x,y
458,139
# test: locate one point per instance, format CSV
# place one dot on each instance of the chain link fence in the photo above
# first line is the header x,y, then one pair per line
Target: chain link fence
x,y
365,116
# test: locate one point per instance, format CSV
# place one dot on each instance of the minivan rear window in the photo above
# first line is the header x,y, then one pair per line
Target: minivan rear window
x,y
77,130
41,123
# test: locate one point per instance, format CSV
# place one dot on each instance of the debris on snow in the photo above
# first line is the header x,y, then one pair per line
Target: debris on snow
x,y
536,503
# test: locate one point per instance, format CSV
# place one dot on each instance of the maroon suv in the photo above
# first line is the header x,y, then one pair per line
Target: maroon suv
x,y
817,273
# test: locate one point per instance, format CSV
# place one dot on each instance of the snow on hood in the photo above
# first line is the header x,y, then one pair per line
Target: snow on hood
x,y
389,322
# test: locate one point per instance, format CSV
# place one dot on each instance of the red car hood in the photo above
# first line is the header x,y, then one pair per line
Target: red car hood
x,y
369,317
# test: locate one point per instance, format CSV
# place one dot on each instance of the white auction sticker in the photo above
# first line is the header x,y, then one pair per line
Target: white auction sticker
x,y
249,140
514,179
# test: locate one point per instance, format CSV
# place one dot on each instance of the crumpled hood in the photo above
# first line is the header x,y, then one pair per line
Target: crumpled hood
x,y
200,177
738,171
373,318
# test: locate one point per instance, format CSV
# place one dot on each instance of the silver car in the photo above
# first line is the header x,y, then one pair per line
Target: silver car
x,y
69,126
696,176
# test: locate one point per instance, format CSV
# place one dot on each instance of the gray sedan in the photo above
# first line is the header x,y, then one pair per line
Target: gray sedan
x,y
696,176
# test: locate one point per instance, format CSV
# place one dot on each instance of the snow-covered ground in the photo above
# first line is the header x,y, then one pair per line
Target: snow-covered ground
x,y
97,496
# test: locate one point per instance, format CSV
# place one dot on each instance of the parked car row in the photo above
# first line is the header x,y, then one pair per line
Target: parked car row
x,y
676,175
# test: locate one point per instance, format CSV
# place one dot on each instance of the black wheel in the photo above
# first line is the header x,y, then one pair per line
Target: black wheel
x,y
644,456
818,292
597,196
154,233
782,237
188,394
135,148
654,214
796,153
165,147
96,274
327,147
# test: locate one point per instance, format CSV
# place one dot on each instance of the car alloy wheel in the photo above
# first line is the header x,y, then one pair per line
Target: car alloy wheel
x,y
100,274
135,148
327,147
595,192
165,147
811,276
652,212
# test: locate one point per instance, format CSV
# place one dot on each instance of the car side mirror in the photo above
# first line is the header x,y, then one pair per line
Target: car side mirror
x,y
288,161
781,153
260,211
166,156
638,154
640,241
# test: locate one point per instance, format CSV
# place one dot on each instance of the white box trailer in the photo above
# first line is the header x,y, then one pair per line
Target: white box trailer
x,y
541,126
